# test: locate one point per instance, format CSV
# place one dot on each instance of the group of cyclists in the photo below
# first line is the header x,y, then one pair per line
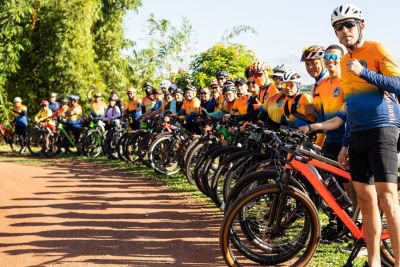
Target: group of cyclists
x,y
332,108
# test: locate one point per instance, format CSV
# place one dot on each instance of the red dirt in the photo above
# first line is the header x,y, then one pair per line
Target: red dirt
x,y
76,213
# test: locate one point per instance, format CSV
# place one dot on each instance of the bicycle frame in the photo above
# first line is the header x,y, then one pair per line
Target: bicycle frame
x,y
307,167
61,127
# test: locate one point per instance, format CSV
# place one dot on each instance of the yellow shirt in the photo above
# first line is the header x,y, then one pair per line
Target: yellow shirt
x,y
44,115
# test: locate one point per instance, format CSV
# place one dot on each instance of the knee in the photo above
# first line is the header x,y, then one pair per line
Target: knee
x,y
366,201
388,201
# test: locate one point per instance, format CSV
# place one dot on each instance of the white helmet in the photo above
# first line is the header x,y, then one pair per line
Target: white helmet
x,y
17,100
165,84
291,76
280,70
346,11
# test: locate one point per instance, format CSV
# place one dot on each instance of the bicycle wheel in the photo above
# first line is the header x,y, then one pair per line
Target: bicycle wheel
x,y
36,141
18,143
252,233
92,143
163,154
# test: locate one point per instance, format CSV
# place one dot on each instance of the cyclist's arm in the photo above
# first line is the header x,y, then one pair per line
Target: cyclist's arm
x,y
327,125
387,83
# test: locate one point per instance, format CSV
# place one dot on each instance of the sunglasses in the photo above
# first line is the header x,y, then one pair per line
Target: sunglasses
x,y
348,24
258,75
285,85
332,56
203,93
250,83
130,93
221,78
277,78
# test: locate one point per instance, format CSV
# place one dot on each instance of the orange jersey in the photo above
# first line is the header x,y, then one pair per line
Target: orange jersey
x,y
267,92
190,106
240,105
274,107
133,105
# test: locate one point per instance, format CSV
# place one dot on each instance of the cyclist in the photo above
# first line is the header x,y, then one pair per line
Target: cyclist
x,y
177,102
53,104
43,117
260,75
190,108
254,89
230,96
60,112
20,113
217,94
328,105
222,76
164,86
118,101
149,100
277,74
207,102
312,56
73,116
96,103
298,107
370,80
133,109
113,113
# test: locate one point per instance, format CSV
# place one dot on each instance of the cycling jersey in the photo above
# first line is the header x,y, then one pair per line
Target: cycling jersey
x,y
43,115
328,103
266,92
98,108
190,106
219,102
366,103
134,108
147,104
21,115
60,112
75,118
304,109
241,105
274,107
54,106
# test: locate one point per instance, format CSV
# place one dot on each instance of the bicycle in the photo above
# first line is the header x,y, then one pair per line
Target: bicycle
x,y
278,222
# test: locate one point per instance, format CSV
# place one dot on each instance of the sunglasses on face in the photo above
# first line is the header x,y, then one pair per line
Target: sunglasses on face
x,y
277,78
258,75
251,83
285,85
203,93
332,56
348,24
221,78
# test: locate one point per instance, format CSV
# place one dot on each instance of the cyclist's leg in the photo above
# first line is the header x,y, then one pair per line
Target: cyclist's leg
x,y
361,173
384,166
389,202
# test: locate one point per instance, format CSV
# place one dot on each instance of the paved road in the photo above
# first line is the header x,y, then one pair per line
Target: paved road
x,y
80,214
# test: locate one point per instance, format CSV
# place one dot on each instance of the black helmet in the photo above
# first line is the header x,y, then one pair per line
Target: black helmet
x,y
240,80
228,87
222,73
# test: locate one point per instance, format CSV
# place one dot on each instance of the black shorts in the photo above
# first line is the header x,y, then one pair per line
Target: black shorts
x,y
373,155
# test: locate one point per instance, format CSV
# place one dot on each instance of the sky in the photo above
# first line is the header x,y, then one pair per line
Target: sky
x,y
283,27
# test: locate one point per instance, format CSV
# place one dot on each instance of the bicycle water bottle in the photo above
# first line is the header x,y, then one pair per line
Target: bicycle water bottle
x,y
338,192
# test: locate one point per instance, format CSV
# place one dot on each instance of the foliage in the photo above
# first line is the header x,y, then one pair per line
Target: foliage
x,y
233,58
61,46
236,31
167,46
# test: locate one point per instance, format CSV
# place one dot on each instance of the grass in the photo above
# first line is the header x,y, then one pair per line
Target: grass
x,y
327,255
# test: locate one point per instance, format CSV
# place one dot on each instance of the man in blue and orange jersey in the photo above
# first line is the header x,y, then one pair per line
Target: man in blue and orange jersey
x,y
328,105
133,109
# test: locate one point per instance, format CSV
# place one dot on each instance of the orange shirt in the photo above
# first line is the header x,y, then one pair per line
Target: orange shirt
x,y
190,106
304,107
240,105
267,92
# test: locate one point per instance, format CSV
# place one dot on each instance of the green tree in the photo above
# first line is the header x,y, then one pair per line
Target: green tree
x,y
63,46
233,58
167,47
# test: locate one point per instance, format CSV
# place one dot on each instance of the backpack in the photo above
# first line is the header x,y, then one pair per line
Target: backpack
x,y
293,109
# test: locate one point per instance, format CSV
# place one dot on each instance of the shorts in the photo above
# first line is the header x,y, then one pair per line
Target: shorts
x,y
373,155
